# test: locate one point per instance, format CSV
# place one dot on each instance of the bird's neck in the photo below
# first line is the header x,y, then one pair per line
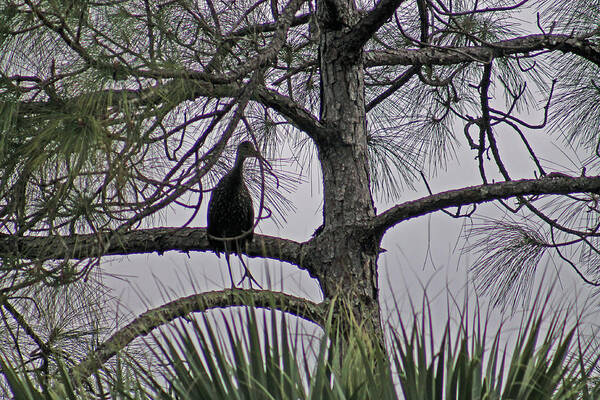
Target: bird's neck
x,y
238,167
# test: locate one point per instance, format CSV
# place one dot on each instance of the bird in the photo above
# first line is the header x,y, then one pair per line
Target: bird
x,y
231,213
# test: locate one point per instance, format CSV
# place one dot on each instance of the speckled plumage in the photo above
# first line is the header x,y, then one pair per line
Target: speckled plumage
x,y
230,213
230,210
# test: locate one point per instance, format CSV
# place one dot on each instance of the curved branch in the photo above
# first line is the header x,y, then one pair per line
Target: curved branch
x,y
292,111
481,194
369,24
155,95
485,52
138,241
156,317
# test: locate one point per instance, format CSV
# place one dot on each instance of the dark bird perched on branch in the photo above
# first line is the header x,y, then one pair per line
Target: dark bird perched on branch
x,y
230,211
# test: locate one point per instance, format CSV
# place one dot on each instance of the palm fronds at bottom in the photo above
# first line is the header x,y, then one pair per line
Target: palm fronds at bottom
x,y
471,363
254,360
251,354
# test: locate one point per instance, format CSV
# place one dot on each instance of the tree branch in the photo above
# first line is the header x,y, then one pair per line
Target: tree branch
x,y
293,112
482,194
369,24
251,30
155,95
138,241
45,349
154,318
485,52
283,24
269,53
396,84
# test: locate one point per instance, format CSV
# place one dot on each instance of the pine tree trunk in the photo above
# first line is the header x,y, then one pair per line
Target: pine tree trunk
x,y
348,259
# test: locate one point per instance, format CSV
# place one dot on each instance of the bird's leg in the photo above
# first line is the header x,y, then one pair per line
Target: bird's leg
x,y
229,269
247,274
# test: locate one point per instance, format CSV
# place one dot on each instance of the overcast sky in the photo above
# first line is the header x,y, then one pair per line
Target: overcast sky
x,y
422,252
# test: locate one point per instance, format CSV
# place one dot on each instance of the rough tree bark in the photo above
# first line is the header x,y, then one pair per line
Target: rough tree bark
x,y
345,260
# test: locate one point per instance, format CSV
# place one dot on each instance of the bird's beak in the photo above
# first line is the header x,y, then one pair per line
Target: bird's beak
x,y
262,159
269,168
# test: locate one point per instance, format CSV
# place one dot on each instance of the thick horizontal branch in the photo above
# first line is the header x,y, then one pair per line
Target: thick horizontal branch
x,y
180,90
174,91
485,52
139,241
481,194
152,319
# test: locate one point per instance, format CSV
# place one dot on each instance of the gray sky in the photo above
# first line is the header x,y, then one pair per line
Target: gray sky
x,y
424,252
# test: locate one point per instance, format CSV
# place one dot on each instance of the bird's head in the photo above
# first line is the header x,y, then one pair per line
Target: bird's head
x,y
247,149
